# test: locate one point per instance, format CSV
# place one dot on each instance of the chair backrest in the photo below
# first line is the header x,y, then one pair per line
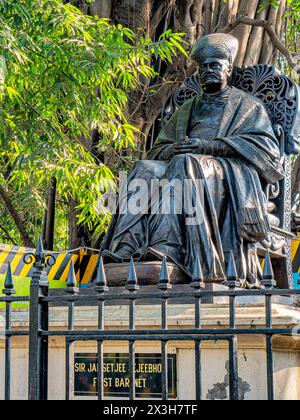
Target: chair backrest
x,y
280,94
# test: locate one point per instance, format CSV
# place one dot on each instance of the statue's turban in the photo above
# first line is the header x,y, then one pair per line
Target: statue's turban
x,y
215,45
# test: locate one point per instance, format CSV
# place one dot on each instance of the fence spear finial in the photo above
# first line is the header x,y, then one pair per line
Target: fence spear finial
x,y
165,281
268,273
40,247
231,273
132,280
40,252
198,279
9,283
101,281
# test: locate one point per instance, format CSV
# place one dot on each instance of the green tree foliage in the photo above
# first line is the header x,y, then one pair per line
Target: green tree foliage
x,y
292,21
293,25
63,74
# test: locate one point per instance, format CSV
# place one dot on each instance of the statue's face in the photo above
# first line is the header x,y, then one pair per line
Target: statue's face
x,y
214,74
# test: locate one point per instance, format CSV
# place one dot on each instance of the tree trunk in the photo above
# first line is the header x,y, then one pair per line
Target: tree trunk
x,y
8,202
195,18
50,216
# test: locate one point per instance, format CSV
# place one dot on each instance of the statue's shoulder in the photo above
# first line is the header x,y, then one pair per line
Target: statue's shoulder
x,y
184,110
189,102
248,99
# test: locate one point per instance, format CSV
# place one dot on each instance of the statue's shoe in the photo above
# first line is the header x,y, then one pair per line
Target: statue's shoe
x,y
153,255
124,255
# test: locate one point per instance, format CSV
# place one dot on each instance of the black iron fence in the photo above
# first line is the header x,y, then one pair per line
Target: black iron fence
x,y
39,332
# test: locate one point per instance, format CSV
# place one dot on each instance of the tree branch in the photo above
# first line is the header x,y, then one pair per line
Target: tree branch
x,y
8,237
268,26
17,219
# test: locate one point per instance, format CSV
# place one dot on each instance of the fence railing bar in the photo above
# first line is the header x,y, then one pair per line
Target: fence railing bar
x,y
68,347
164,285
155,338
100,289
132,370
8,291
269,283
71,290
44,351
164,350
7,352
132,390
132,287
137,334
100,373
285,293
270,367
198,369
15,299
233,369
132,350
164,366
269,350
232,283
68,373
14,333
34,345
198,284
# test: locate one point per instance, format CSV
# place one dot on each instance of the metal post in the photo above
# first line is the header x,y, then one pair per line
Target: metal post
x,y
100,289
233,282
198,284
72,290
38,321
165,285
8,291
233,370
269,283
132,287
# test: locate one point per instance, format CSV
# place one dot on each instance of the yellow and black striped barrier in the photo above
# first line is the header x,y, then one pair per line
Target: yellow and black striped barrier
x,y
84,264
296,261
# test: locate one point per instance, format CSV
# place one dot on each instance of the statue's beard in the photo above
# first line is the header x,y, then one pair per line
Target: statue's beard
x,y
213,87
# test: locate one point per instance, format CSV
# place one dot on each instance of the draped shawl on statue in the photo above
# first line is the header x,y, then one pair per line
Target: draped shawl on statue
x,y
245,127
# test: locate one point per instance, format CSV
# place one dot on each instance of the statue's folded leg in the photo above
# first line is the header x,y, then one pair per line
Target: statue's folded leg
x,y
128,232
193,231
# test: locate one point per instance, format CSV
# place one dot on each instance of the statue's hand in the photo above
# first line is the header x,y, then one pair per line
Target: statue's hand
x,y
198,146
182,147
189,146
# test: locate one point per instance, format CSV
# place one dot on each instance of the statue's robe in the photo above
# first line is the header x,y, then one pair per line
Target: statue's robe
x,y
227,191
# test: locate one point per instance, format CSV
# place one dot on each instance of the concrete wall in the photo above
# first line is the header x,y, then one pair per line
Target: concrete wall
x,y
252,370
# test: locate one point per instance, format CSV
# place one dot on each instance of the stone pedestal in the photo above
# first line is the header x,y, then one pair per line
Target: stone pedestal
x,y
252,355
148,273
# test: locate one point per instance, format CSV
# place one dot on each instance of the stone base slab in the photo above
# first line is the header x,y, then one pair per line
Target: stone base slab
x,y
148,273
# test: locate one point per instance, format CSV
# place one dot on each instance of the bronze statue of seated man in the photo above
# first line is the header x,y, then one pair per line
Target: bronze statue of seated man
x,y
222,148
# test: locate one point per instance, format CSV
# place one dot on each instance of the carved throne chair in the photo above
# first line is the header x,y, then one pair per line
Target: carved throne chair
x,y
281,98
